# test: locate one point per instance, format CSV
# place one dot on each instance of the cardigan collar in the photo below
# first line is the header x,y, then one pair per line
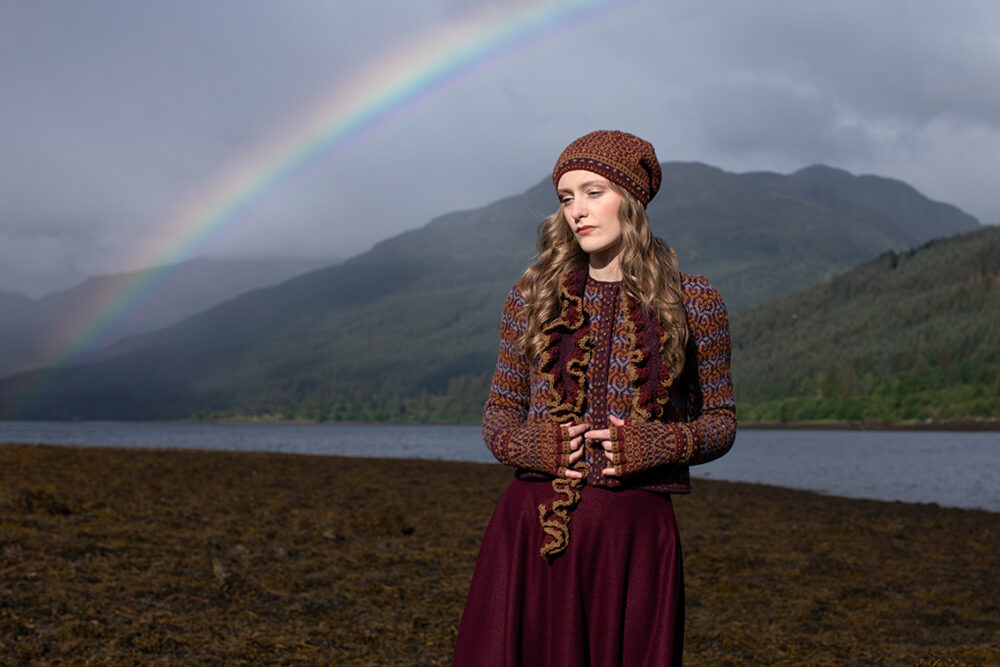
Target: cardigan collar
x,y
563,365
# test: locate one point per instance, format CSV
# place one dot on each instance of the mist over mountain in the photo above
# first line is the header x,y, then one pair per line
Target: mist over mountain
x,y
408,330
12,301
32,331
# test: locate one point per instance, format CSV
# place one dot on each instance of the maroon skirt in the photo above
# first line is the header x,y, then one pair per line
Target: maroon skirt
x,y
614,597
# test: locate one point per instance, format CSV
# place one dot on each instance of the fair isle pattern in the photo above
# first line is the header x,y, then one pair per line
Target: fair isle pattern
x,y
534,444
600,301
620,157
644,446
610,172
699,420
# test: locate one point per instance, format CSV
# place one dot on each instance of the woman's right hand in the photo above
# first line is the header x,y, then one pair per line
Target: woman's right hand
x,y
576,432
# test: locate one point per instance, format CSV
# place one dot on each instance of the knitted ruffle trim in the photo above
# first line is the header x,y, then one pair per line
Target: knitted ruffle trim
x,y
563,367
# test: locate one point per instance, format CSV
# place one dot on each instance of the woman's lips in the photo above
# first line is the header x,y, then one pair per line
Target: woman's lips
x,y
584,230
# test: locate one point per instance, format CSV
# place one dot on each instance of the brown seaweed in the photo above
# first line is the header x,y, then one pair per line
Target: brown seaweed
x,y
133,556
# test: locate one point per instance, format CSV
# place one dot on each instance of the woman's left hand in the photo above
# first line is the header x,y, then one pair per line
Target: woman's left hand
x,y
604,435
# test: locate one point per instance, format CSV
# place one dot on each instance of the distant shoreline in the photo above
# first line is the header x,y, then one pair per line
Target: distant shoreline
x,y
949,425
946,425
956,425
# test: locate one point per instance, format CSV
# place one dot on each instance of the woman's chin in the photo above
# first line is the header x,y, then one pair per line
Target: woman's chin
x,y
599,253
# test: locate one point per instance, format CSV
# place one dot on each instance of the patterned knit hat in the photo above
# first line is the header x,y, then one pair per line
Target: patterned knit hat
x,y
620,157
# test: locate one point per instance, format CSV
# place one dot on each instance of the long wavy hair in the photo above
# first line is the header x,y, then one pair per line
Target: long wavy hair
x,y
649,275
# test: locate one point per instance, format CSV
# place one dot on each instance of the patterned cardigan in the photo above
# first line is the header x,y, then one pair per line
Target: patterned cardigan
x,y
668,425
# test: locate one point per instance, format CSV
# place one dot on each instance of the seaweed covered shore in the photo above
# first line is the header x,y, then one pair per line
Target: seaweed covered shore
x,y
137,556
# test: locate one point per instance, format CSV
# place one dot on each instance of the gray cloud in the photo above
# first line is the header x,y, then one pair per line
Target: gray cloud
x,y
117,113
913,61
777,120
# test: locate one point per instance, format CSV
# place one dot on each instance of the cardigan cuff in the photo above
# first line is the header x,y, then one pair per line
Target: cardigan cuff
x,y
541,447
641,445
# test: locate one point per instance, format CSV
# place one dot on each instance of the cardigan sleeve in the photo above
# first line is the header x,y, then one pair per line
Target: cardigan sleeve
x,y
711,429
540,446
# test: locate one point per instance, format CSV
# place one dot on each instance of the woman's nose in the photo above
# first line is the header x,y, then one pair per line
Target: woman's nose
x,y
577,210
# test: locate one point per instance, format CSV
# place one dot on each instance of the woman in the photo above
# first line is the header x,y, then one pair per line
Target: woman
x,y
613,377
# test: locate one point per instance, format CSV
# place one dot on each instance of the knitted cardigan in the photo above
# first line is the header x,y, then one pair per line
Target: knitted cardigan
x,y
668,425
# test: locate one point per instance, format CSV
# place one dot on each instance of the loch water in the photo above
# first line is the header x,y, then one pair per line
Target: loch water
x,y
954,469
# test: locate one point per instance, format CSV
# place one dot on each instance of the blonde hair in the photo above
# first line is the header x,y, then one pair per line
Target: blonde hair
x,y
649,275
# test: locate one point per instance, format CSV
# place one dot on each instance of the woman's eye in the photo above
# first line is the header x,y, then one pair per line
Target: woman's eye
x,y
595,193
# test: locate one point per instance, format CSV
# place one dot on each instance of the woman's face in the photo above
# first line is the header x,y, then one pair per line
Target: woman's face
x,y
590,206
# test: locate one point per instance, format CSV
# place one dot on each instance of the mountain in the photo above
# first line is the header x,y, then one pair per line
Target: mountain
x,y
32,333
907,336
407,330
776,232
899,201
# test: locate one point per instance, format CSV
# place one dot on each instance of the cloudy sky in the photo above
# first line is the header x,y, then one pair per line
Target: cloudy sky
x,y
118,116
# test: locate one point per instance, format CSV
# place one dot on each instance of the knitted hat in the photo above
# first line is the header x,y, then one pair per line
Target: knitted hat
x,y
620,157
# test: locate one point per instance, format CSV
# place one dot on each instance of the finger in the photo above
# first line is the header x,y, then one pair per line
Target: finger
x,y
576,443
575,456
577,429
600,434
609,472
616,421
573,474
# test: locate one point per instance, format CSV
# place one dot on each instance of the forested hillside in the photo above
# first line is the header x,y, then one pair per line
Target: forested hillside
x,y
408,330
33,332
909,336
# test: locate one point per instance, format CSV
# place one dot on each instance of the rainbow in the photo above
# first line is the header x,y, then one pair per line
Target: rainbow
x,y
388,89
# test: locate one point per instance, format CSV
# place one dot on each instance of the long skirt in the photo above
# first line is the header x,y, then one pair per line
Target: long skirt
x,y
614,597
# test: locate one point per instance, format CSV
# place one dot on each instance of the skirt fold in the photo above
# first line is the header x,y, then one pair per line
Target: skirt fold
x,y
615,597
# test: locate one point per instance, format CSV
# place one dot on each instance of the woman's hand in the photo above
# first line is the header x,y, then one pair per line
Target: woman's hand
x,y
576,432
604,436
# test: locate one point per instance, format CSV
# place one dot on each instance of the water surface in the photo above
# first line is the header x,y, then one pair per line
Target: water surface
x,y
956,469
